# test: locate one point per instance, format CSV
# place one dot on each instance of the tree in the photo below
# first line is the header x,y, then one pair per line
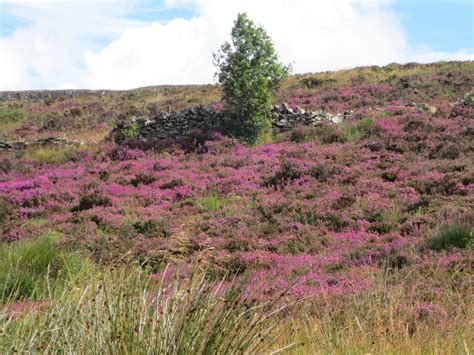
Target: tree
x,y
250,73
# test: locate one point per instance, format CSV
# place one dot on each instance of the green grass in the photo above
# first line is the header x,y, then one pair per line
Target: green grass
x,y
36,268
122,311
469,100
11,114
213,203
454,236
357,131
55,155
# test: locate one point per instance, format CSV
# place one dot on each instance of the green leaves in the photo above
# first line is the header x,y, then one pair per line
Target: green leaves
x,y
249,72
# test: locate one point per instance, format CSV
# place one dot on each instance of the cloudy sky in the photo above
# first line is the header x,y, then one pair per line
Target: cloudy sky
x,y
122,44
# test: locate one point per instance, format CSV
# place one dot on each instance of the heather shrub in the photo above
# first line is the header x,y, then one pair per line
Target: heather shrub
x,y
6,210
327,133
320,173
454,236
6,165
449,151
312,82
33,269
389,176
284,175
172,184
303,134
142,179
152,228
86,202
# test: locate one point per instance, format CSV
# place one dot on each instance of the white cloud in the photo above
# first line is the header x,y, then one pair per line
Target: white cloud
x,y
48,51
314,35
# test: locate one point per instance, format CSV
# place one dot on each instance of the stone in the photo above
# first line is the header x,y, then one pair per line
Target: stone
x,y
286,108
180,124
337,119
431,109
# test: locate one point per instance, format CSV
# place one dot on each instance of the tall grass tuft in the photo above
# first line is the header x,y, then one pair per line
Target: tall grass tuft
x,y
122,312
35,268
457,236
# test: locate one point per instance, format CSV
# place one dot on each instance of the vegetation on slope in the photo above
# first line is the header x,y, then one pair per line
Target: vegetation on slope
x,y
361,231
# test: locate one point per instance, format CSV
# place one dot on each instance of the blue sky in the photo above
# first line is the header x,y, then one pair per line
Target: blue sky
x,y
442,25
130,43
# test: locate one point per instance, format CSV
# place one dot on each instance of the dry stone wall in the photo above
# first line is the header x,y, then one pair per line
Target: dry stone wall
x,y
182,123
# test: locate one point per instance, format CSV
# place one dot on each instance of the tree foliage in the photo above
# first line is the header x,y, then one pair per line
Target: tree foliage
x,y
249,72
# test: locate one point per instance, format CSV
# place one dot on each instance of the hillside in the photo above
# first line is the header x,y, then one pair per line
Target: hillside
x,y
89,115
370,219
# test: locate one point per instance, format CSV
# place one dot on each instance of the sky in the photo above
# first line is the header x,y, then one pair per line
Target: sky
x,y
124,44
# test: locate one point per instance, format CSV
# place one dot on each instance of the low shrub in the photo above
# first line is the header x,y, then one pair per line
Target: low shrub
x,y
357,131
152,228
283,176
6,210
320,173
6,165
132,130
11,114
172,184
469,99
89,201
142,179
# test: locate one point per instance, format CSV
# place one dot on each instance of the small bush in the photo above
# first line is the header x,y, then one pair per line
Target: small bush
x,y
320,173
360,130
454,236
130,131
469,99
152,228
389,176
6,210
11,114
6,165
327,133
89,201
172,184
286,174
142,179
313,82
